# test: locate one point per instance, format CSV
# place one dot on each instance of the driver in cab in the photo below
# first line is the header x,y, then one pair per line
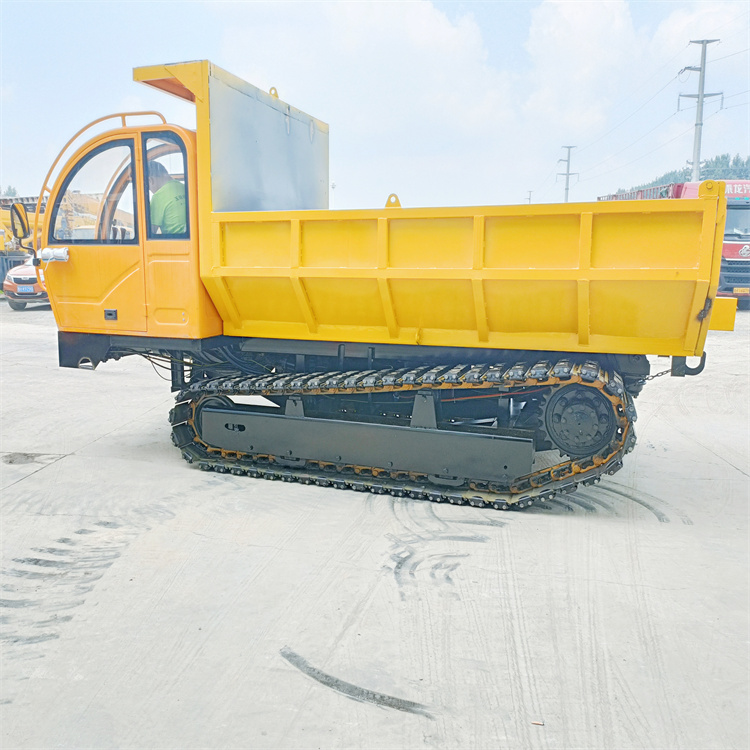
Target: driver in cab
x,y
168,204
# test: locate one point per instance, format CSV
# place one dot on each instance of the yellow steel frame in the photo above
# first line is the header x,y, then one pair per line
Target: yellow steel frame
x,y
48,182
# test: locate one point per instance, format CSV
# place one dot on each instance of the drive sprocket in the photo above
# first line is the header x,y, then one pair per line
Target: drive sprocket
x,y
579,421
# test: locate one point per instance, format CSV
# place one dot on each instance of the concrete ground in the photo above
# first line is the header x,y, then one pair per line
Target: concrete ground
x,y
146,604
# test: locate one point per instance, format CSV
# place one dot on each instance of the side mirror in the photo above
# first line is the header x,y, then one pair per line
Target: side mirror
x,y
19,221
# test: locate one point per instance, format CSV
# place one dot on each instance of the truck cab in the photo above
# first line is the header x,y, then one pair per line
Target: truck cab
x,y
124,274
735,261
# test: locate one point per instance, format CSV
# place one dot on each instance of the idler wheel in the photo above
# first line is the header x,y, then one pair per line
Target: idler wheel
x,y
579,420
215,402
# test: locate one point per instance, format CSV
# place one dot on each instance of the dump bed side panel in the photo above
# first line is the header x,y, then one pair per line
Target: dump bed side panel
x,y
624,277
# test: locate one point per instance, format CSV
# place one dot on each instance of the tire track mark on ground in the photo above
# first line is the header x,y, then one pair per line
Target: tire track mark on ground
x,y
632,716
523,688
578,605
672,734
485,703
363,695
342,645
590,500
413,555
651,503
598,655
40,591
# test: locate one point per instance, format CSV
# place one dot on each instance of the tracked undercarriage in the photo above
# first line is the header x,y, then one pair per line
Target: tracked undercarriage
x,y
487,435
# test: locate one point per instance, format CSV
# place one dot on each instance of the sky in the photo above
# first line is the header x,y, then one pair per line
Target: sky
x,y
443,103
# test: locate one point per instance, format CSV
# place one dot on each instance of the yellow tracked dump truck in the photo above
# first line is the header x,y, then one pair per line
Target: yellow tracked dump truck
x,y
484,355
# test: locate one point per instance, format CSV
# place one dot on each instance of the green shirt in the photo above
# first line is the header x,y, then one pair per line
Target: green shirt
x,y
169,208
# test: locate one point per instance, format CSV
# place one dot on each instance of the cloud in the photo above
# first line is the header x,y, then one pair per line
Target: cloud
x,y
700,20
415,105
457,104
403,63
577,50
400,84
606,75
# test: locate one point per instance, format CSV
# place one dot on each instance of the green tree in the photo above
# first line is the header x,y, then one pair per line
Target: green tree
x,y
721,167
9,192
724,167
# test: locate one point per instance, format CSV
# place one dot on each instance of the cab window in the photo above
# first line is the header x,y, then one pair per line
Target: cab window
x,y
166,187
738,223
97,204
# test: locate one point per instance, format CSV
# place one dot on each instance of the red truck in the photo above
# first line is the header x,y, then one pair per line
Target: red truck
x,y
735,257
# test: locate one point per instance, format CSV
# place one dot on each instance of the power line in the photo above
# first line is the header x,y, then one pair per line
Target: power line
x,y
734,54
699,113
653,150
632,114
545,192
666,85
544,181
637,89
648,132
650,99
742,31
643,156
632,143
731,21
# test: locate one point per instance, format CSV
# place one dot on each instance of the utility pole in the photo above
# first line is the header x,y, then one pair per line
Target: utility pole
x,y
529,192
567,171
700,96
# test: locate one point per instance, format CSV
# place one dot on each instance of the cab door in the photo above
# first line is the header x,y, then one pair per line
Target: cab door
x,y
94,213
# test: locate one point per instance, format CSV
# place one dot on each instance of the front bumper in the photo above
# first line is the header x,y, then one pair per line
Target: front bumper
x,y
734,280
38,295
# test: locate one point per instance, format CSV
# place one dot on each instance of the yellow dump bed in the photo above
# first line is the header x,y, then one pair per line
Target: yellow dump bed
x,y
631,277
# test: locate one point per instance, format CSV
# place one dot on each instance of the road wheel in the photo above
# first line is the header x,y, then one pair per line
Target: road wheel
x,y
16,305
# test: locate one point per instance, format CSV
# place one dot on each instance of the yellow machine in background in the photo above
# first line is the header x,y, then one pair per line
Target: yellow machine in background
x,y
7,234
11,245
438,352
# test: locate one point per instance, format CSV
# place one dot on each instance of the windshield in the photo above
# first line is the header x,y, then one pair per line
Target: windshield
x,y
738,222
96,204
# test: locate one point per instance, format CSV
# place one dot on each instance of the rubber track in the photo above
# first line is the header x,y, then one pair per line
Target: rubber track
x,y
540,485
